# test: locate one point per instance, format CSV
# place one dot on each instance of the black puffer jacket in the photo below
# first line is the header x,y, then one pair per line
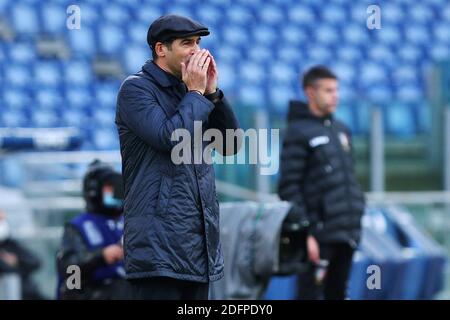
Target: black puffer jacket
x,y
317,175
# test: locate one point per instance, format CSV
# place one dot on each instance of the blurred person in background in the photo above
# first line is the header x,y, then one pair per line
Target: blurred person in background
x,y
15,258
171,237
93,240
317,176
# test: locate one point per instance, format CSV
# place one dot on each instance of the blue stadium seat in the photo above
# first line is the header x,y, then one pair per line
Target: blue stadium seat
x,y
260,54
294,35
106,93
78,73
380,93
25,19
253,73
228,53
22,52
279,96
345,72
42,118
420,13
227,75
326,34
290,55
72,118
282,73
346,92
116,13
137,33
264,35
16,98
78,98
442,33
409,53
349,53
103,117
17,75
82,41
371,73
239,15
391,34
147,14
235,35
382,54
105,140
253,95
48,99
208,14
319,53
271,15
405,73
333,14
418,35
301,14
53,17
47,73
354,34
392,13
13,118
409,93
111,38
440,52
399,120
134,57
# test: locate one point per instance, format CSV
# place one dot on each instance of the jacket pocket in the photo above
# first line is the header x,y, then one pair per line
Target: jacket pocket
x,y
164,193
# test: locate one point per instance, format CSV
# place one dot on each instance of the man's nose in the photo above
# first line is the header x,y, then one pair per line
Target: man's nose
x,y
195,49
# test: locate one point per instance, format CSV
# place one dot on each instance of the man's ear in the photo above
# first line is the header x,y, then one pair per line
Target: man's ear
x,y
160,49
309,92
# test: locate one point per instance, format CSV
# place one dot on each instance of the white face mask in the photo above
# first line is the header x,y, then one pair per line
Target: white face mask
x,y
4,230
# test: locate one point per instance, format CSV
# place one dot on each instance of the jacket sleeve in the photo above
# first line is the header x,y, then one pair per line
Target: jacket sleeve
x,y
28,261
293,162
74,251
141,112
223,118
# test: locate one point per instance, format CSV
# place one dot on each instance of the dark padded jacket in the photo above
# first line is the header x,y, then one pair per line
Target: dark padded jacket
x,y
171,210
317,176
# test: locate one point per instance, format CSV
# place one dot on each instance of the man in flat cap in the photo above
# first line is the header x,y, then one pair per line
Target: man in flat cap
x,y
171,236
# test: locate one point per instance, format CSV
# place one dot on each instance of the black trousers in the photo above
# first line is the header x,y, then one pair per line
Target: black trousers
x,y
334,284
165,288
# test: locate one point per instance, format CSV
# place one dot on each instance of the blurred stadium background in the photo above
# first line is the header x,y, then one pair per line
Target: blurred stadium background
x,y
58,92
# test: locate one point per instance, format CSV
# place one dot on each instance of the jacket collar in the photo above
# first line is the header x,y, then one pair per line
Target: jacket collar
x,y
164,78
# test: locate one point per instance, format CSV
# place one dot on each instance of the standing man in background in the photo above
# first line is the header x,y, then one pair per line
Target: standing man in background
x,y
317,176
171,237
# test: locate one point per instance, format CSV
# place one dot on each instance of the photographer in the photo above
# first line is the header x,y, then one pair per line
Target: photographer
x,y
92,240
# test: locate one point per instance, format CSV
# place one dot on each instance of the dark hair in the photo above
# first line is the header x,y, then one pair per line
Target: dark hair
x,y
316,73
167,43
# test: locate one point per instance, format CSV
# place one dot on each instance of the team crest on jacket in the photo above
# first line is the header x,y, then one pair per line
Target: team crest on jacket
x,y
345,142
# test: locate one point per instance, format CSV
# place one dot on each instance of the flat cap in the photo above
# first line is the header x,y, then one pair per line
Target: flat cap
x,y
174,26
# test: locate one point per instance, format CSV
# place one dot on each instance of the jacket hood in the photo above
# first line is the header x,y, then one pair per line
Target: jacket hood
x,y
300,110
